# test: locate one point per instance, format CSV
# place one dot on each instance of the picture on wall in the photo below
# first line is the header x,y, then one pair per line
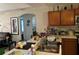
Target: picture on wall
x,y
14,25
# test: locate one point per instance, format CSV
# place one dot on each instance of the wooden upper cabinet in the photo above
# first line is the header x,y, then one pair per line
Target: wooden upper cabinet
x,y
54,18
67,17
77,11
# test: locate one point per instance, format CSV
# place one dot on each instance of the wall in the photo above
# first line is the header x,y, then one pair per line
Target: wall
x,y
41,19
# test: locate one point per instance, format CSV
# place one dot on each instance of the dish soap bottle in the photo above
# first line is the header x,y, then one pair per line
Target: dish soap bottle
x,y
31,51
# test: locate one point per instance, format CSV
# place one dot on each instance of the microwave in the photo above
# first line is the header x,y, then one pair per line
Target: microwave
x,y
77,20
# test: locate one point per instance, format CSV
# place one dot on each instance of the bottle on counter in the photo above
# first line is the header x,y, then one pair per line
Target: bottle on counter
x,y
31,51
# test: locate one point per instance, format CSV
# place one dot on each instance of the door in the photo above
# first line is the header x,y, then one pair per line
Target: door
x,y
28,25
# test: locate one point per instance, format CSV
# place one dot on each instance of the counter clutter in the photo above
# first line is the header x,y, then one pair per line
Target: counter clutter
x,y
26,52
22,51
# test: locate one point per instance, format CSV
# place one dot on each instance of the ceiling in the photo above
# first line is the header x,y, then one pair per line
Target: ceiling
x,y
14,6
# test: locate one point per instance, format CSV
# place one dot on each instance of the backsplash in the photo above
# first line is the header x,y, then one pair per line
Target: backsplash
x,y
63,30
65,27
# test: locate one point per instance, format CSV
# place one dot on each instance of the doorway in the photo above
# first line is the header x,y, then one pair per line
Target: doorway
x,y
27,26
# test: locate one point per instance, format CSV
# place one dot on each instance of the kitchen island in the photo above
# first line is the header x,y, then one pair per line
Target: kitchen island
x,y
64,40
26,52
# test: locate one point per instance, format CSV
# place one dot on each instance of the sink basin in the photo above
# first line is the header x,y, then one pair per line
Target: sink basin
x,y
17,52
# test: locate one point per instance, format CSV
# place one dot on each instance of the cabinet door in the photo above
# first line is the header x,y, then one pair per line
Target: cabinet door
x,y
77,11
54,18
67,17
69,46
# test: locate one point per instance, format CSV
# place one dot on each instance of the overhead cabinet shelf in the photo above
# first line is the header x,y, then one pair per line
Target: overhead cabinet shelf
x,y
54,18
61,18
67,17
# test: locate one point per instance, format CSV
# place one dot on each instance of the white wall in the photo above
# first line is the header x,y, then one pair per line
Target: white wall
x,y
41,19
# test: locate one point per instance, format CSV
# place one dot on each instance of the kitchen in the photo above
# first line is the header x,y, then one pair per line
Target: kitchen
x,y
66,24
62,23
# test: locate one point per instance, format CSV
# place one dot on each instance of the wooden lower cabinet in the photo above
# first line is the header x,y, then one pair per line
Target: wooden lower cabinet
x,y
69,46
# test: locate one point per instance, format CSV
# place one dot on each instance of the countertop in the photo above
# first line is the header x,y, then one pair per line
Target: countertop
x,y
17,52
69,37
65,36
25,52
59,37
